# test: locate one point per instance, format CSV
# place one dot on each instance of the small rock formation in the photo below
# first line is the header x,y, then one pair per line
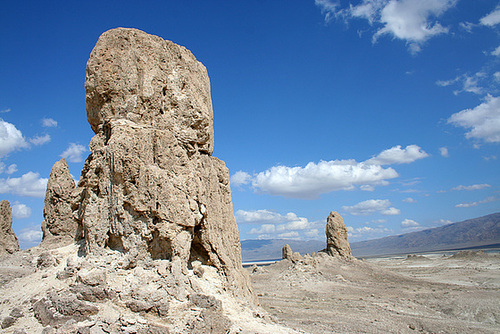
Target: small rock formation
x,y
59,227
288,254
336,237
8,240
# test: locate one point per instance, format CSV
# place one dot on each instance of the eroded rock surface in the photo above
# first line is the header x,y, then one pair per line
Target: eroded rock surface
x,y
59,226
150,187
8,240
336,236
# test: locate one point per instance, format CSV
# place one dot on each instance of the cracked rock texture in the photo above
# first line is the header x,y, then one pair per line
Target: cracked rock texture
x,y
150,187
8,240
59,226
336,236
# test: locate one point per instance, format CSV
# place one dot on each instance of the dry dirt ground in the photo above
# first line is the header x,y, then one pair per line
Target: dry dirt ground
x,y
434,293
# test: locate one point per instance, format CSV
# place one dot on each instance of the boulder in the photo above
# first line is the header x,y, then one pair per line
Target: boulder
x,y
150,187
336,237
8,240
59,226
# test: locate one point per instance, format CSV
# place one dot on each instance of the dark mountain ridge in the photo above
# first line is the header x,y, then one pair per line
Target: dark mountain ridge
x,y
471,233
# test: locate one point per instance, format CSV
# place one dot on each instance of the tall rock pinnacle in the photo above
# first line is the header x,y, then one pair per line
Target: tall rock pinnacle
x,y
150,187
8,240
336,236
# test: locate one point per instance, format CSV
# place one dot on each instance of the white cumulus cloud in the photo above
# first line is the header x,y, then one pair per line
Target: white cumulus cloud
x,y
409,223
239,178
409,200
74,152
397,155
483,120
29,237
372,206
413,21
30,184
319,178
275,224
21,211
11,138
492,18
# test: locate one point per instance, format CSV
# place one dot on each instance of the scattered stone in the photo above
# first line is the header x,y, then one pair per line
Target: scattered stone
x,y
207,302
93,277
8,240
210,322
45,260
336,237
59,226
8,322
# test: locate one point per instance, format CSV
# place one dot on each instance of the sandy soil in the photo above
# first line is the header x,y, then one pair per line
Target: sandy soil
x,y
425,294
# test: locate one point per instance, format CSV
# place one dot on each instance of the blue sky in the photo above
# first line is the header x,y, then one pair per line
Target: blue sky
x,y
385,111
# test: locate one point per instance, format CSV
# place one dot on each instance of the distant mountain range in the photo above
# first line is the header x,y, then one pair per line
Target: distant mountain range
x,y
478,232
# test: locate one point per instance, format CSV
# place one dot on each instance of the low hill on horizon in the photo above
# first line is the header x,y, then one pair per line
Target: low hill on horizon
x,y
477,232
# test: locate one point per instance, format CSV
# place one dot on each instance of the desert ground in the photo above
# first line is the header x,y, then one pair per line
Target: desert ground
x,y
431,293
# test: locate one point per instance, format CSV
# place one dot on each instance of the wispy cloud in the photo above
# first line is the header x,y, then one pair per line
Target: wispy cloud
x,y
3,111
444,152
49,122
368,232
413,21
273,224
483,120
472,204
472,187
40,140
382,206
74,152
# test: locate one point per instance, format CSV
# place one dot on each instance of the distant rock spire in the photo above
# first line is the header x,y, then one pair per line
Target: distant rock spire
x,y
59,226
8,240
336,237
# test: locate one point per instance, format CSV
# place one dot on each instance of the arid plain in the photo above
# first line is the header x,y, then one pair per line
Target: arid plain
x,y
431,293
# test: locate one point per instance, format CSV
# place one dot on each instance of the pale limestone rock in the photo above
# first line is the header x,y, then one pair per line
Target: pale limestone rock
x,y
286,252
8,240
336,236
150,187
59,226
